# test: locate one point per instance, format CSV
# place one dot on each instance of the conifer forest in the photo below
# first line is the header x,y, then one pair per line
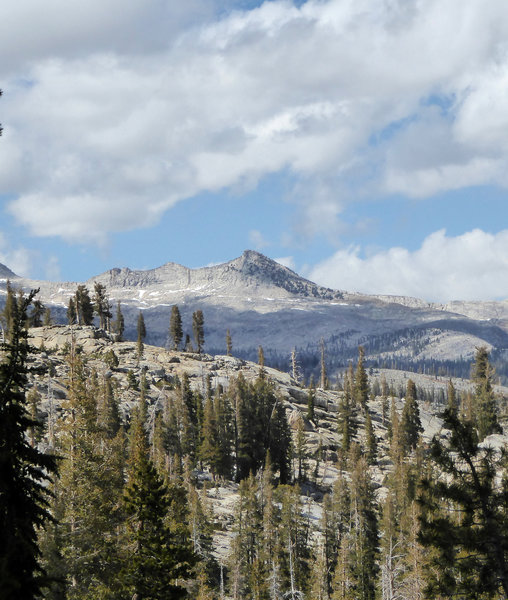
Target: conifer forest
x,y
135,472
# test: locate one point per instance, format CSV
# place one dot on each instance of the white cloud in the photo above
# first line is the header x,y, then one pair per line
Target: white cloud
x,y
17,259
56,28
257,239
286,261
112,114
472,266
52,269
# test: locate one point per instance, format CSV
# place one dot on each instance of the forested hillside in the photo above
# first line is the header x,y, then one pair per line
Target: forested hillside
x,y
186,475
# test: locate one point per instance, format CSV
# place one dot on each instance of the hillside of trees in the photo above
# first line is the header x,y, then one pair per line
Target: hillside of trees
x,y
128,471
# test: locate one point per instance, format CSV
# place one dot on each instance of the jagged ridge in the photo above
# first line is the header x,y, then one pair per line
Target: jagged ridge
x,y
252,270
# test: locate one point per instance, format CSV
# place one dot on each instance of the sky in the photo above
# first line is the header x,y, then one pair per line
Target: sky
x,y
362,143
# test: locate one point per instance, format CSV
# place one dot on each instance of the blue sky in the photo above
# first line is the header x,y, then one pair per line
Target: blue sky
x,y
362,143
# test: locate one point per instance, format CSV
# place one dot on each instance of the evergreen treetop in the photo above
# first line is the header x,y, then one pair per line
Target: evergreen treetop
x,y
410,424
198,324
83,306
361,382
175,327
485,407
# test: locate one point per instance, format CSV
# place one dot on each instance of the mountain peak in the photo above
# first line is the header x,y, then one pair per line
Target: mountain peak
x,y
254,256
6,273
257,266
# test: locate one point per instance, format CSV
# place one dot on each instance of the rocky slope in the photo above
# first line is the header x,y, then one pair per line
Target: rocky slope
x,y
48,372
6,273
263,303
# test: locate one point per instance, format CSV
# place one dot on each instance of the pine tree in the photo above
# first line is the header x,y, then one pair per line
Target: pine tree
x,y
347,423
415,556
279,441
84,306
260,426
91,483
209,452
141,331
370,440
410,424
300,450
294,551
261,356
359,566
361,382
311,401
24,469
173,438
101,305
225,435
189,419
119,324
343,578
108,412
155,562
72,316
229,343
198,323
247,545
392,567
159,447
8,313
485,401
175,327
295,367
451,396
384,400
332,528
464,515
200,519
35,319
318,577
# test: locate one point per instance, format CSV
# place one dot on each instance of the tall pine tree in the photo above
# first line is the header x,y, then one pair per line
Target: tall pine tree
x,y
156,561
175,327
141,331
485,401
410,424
24,469
198,329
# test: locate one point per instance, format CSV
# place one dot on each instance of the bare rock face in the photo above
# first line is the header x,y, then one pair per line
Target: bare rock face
x,y
57,336
252,271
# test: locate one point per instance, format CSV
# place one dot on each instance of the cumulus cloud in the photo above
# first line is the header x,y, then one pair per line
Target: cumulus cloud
x,y
52,270
257,239
286,261
57,28
472,266
16,258
112,114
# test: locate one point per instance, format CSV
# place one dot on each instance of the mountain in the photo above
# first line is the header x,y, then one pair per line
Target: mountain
x,y
6,273
252,272
264,303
